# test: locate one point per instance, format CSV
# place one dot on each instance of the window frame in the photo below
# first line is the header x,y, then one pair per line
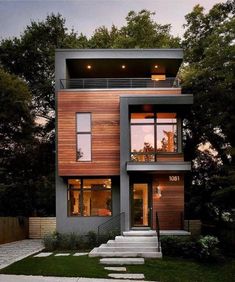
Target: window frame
x,y
83,133
81,197
156,153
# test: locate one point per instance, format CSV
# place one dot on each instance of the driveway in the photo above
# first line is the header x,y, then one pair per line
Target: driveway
x,y
14,251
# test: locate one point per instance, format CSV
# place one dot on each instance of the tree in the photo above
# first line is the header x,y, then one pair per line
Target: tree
x,y
140,31
31,57
208,73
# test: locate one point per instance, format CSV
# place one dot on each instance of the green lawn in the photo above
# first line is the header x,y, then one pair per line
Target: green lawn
x,y
165,270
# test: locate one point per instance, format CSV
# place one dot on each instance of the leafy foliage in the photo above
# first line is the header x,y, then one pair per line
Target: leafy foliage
x,y
208,73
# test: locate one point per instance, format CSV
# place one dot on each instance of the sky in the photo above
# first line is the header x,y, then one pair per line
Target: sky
x,y
86,15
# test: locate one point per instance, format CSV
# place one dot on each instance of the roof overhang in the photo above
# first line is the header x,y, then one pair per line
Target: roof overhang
x,y
161,167
107,63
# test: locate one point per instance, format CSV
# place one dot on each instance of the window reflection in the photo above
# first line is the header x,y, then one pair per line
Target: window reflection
x,y
166,138
152,133
84,147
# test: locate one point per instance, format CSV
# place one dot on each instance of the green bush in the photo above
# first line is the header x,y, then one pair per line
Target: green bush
x,y
58,241
204,249
208,248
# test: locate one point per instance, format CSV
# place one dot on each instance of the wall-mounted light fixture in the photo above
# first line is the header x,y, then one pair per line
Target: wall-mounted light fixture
x,y
123,66
156,66
157,192
89,67
158,77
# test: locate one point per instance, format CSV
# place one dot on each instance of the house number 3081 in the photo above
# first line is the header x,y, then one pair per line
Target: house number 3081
x,y
174,178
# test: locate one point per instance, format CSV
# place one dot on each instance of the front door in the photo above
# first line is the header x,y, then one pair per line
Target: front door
x,y
141,204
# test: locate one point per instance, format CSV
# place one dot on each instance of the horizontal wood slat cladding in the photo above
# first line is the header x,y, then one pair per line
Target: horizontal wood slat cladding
x,y
104,106
170,205
41,226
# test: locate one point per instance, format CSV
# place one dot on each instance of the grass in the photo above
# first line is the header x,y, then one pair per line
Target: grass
x,y
165,270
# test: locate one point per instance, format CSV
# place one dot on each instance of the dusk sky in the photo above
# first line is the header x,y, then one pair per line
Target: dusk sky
x,y
86,15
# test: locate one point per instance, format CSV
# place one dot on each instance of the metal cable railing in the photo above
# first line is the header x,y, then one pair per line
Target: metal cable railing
x,y
111,227
96,83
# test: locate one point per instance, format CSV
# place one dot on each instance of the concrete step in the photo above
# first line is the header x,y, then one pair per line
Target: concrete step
x,y
121,261
126,254
112,243
135,276
140,233
137,239
105,248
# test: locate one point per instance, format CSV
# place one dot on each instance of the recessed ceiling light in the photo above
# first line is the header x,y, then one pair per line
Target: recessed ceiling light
x,y
123,66
89,67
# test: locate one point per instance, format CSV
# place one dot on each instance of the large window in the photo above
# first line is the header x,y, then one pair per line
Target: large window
x,y
83,137
89,197
152,133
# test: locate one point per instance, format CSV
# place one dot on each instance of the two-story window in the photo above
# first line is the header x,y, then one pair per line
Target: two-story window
x,y
152,134
89,197
83,121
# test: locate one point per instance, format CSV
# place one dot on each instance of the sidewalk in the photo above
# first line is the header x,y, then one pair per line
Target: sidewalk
x,y
15,251
23,278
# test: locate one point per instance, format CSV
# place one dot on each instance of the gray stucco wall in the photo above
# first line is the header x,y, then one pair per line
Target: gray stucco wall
x,y
81,225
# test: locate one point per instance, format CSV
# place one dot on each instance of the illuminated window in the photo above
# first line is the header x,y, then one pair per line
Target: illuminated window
x,y
90,197
152,133
83,136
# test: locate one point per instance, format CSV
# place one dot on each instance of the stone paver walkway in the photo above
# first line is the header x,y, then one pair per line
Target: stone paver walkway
x,y
14,251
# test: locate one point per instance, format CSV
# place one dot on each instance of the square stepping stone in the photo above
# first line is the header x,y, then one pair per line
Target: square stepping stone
x,y
126,275
80,254
42,255
62,255
115,268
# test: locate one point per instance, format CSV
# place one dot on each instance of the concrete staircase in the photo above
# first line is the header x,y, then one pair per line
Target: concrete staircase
x,y
133,244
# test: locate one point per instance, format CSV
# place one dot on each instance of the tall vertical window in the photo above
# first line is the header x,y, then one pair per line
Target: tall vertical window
x,y
83,137
152,133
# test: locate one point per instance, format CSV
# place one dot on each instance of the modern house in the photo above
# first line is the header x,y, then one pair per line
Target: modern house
x,y
119,139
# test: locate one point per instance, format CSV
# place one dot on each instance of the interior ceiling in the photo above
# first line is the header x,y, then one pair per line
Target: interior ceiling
x,y
112,68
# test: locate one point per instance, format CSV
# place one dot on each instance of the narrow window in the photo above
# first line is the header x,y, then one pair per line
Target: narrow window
x,y
83,137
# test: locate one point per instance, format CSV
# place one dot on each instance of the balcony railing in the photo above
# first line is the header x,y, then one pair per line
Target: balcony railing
x,y
94,83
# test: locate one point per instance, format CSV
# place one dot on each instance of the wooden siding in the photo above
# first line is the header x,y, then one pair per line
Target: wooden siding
x,y
41,226
170,205
13,229
104,107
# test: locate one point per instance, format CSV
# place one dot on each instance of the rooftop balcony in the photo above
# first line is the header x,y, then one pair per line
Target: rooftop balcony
x,y
107,83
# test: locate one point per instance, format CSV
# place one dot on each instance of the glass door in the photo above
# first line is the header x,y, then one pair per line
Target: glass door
x,y
141,205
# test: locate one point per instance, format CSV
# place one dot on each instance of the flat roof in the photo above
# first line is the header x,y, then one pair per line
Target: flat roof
x,y
160,53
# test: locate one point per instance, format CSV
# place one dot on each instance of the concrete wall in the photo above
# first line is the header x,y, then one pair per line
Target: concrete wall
x,y
81,225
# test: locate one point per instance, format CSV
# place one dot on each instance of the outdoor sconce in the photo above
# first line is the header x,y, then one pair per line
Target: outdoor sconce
x,y
158,77
157,192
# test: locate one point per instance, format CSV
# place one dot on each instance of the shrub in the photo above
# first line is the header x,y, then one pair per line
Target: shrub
x,y
58,241
204,249
208,248
92,239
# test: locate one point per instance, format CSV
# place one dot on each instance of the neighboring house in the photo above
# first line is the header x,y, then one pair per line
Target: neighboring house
x,y
119,138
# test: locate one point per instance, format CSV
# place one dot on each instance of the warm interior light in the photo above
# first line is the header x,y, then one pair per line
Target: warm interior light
x,y
158,77
123,66
89,67
158,192
156,66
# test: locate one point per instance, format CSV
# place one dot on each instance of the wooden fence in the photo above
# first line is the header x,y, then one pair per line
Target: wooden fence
x,y
13,229
40,226
194,226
